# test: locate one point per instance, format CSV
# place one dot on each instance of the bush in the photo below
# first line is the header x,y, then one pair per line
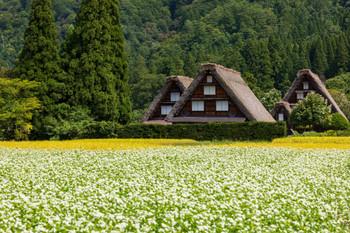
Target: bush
x,y
87,128
79,125
330,133
338,122
345,133
311,134
210,131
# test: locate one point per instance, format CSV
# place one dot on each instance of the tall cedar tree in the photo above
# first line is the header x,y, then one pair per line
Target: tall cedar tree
x,y
39,61
97,62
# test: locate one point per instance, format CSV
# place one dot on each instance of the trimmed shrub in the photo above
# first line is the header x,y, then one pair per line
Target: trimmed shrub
x,y
338,122
241,131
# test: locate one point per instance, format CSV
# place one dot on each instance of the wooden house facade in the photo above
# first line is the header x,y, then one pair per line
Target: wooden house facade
x,y
305,83
218,94
166,99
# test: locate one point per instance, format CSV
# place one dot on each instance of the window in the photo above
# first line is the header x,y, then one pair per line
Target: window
x,y
165,110
280,117
174,96
221,105
209,90
306,85
209,79
300,96
197,106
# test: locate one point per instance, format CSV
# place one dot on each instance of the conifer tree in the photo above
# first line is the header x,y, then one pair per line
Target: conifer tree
x,y
304,57
342,55
277,54
330,46
190,67
318,57
39,61
97,62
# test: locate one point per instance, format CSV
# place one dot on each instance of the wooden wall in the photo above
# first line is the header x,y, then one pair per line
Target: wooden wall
x,y
165,101
210,101
293,98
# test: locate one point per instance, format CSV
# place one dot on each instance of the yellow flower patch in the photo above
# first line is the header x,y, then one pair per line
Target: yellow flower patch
x,y
122,144
95,144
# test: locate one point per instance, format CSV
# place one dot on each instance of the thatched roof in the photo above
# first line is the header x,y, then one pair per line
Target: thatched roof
x,y
181,81
235,87
281,105
319,86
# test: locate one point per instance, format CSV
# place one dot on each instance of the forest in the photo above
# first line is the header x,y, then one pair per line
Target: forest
x,y
268,41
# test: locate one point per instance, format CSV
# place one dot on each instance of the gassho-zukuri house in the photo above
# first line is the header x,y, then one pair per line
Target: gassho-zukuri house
x,y
305,83
166,99
218,94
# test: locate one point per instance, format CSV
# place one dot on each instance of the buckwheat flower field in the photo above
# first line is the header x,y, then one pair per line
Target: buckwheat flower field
x,y
194,189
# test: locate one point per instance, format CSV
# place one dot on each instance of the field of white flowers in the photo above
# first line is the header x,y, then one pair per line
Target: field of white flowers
x,y
198,189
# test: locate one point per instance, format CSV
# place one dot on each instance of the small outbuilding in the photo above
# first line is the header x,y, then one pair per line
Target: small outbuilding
x,y
166,99
218,94
305,83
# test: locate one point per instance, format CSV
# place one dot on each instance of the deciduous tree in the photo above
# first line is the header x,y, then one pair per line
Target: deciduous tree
x,y
17,103
312,111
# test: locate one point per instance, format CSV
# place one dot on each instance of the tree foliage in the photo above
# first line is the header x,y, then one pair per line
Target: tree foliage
x,y
270,98
39,61
312,111
342,101
17,103
95,59
270,40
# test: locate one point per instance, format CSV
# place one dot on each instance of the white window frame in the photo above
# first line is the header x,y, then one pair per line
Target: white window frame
x,y
209,79
306,85
165,109
300,95
198,106
280,117
174,96
209,90
222,106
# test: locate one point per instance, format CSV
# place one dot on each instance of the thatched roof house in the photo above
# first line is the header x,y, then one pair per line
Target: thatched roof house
x,y
281,111
306,82
218,94
166,98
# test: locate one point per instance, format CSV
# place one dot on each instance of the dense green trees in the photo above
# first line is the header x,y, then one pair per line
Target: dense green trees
x,y
267,41
95,58
91,82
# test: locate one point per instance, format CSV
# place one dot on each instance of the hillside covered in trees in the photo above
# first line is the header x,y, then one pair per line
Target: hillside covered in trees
x,y
267,40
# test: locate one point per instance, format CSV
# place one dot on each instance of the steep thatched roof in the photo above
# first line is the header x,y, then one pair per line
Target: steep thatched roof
x,y
181,81
281,105
319,86
235,87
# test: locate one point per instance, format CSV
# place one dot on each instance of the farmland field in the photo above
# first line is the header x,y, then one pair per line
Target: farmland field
x,y
175,189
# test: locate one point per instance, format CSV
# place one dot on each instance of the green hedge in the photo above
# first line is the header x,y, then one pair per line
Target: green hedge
x,y
241,131
211,131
